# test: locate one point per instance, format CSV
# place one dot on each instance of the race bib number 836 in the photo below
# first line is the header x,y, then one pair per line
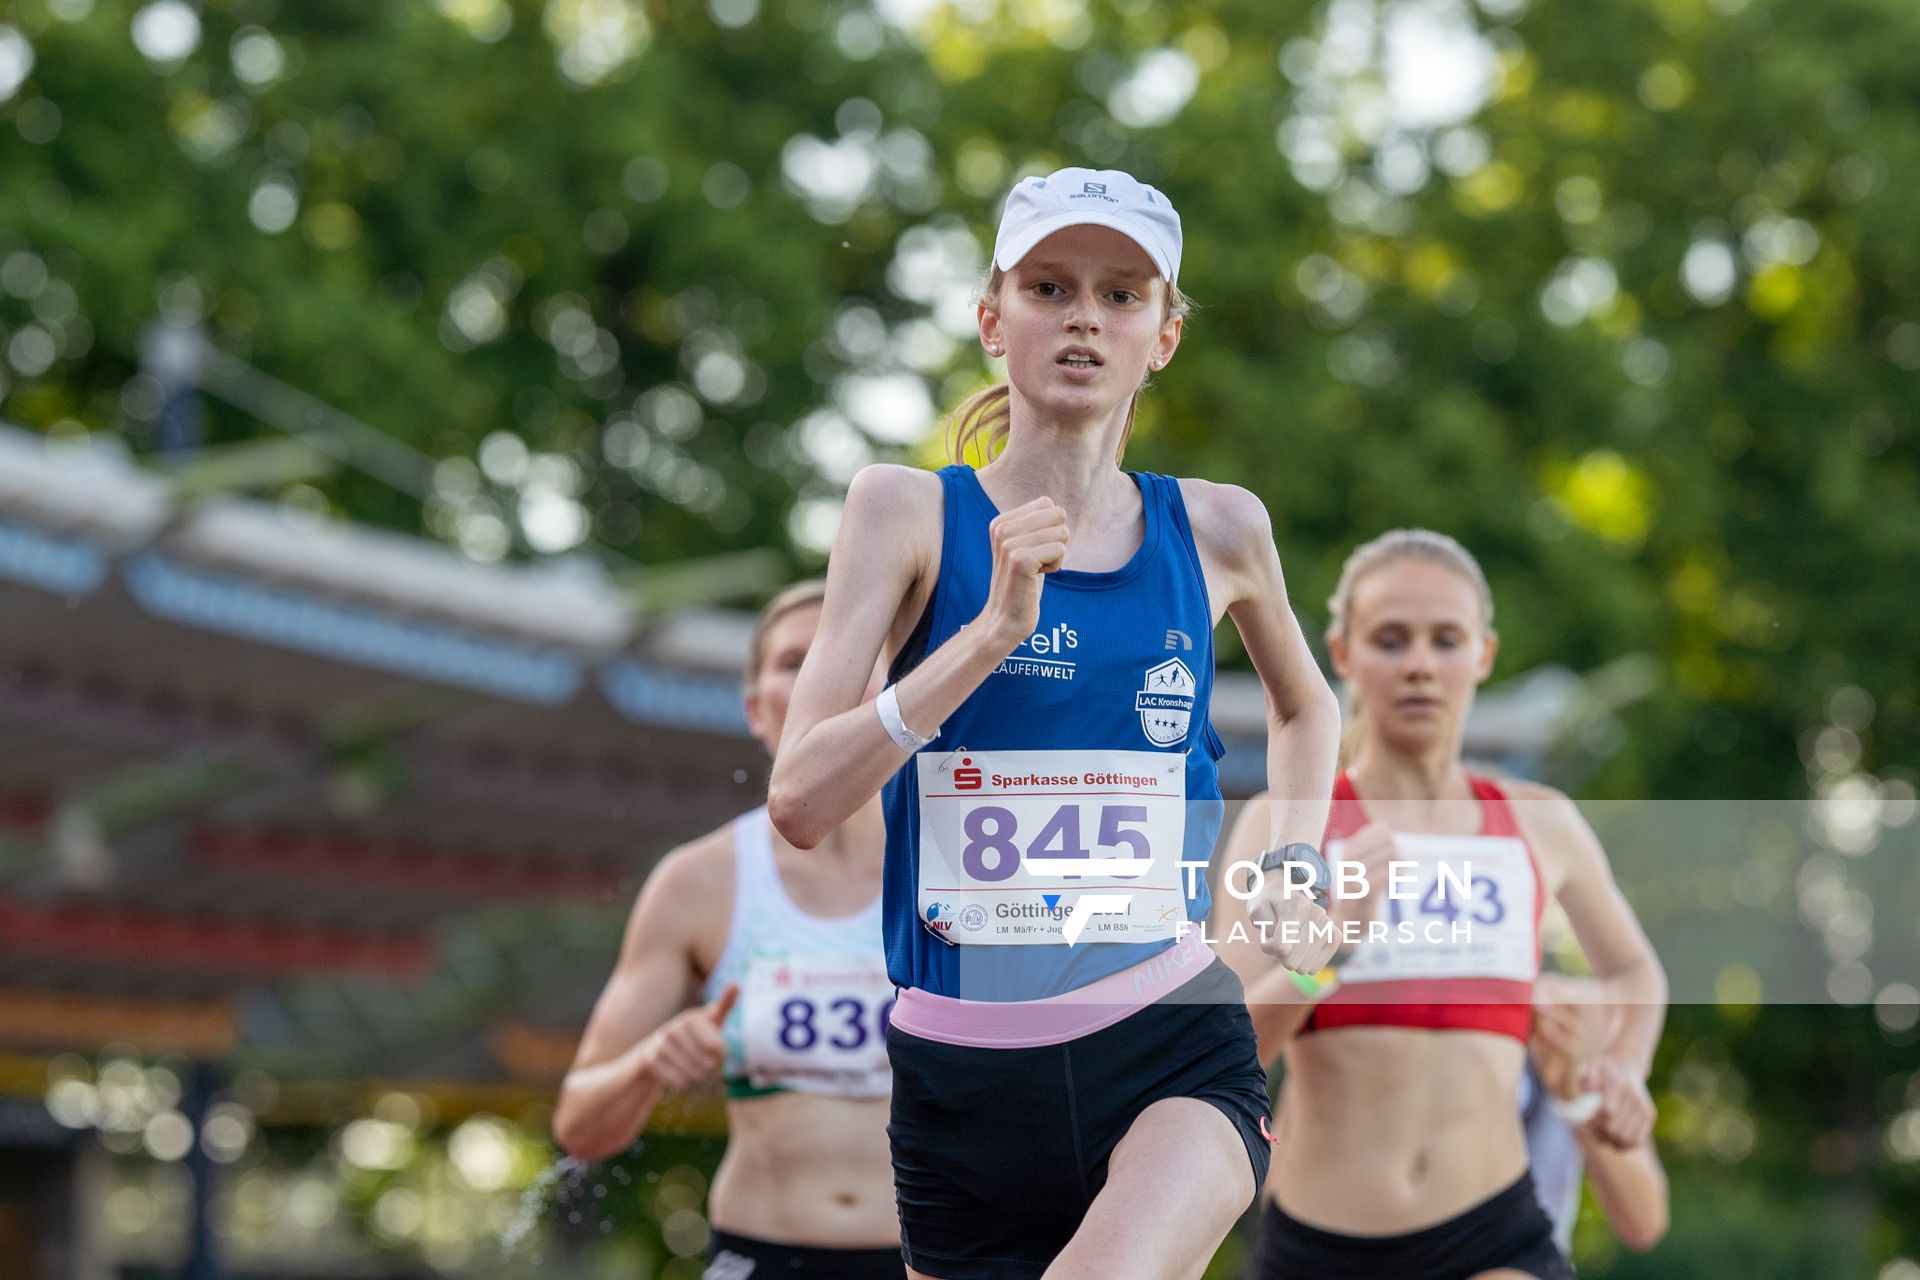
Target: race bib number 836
x,y
818,1024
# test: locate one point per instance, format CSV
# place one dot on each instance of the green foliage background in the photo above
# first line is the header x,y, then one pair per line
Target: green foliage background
x,y
1501,334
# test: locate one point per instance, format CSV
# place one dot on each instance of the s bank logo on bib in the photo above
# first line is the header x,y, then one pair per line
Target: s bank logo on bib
x,y
1166,703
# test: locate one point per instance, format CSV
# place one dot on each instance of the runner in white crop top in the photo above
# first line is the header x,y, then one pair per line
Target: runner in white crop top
x,y
783,944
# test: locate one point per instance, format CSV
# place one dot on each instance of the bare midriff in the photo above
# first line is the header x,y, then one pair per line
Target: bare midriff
x,y
807,1170
1386,1130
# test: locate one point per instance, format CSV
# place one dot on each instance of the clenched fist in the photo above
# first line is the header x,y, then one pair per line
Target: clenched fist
x,y
688,1048
1293,928
1028,542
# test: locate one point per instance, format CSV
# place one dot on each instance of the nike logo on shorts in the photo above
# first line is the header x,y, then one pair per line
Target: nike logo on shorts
x,y
728,1265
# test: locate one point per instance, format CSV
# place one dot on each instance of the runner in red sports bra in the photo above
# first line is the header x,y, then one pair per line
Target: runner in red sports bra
x,y
1400,1150
1371,994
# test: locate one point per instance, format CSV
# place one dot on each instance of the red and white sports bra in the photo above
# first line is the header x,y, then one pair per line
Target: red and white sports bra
x,y
1413,980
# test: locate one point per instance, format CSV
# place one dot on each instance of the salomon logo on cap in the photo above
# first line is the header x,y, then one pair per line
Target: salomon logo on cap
x,y
1038,207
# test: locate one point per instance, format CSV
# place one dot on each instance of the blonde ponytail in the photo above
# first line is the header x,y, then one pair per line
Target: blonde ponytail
x,y
1353,734
980,425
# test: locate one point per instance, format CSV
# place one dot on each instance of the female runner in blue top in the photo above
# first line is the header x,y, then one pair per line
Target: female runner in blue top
x,y
1076,1091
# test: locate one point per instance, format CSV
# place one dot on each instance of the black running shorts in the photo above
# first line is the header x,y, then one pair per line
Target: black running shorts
x,y
732,1257
997,1153
1509,1229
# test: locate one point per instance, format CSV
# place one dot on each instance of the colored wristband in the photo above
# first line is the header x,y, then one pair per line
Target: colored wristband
x,y
1314,986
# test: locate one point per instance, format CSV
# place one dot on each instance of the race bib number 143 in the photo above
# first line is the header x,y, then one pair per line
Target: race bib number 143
x,y
1475,921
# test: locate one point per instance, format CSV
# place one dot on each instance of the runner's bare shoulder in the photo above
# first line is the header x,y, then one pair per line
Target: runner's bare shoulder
x,y
1543,811
890,534
1553,825
1229,521
689,892
890,499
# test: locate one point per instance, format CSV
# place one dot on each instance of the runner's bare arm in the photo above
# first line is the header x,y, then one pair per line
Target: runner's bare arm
x,y
834,754
1573,1021
1242,565
1631,1187
1303,717
1603,921
1277,1005
1616,946
615,1080
1245,842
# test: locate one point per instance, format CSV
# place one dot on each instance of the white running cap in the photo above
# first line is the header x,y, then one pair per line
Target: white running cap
x,y
1038,207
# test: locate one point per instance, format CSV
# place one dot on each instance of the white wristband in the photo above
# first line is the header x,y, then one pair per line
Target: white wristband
x,y
888,705
1576,1111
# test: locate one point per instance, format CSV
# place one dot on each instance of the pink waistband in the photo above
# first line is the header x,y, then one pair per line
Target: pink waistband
x,y
1023,1024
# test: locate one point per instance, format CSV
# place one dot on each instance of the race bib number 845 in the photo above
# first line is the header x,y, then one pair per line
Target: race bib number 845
x,y
1012,841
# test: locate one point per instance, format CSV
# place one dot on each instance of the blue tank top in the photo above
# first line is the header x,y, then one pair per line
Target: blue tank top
x,y
1085,680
